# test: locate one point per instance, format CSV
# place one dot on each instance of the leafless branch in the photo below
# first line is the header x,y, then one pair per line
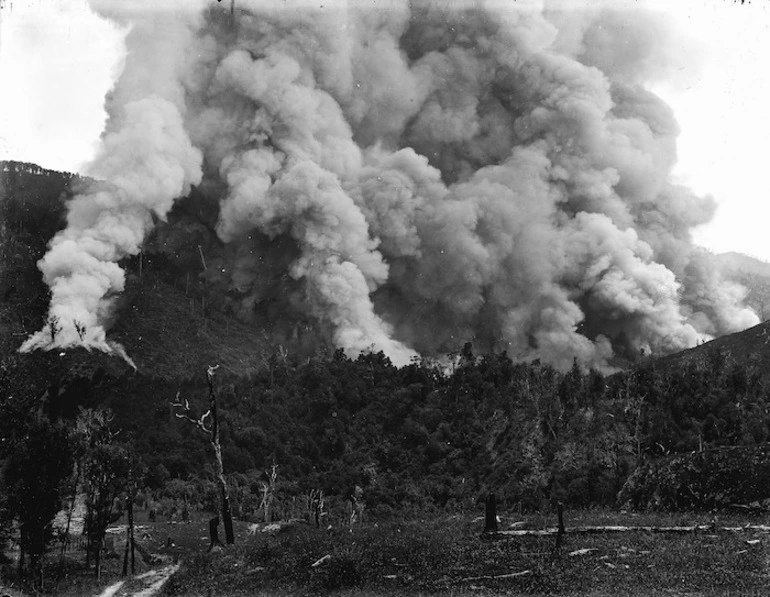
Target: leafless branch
x,y
187,415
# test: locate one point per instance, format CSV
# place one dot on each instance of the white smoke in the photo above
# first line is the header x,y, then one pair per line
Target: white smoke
x,y
442,172
147,161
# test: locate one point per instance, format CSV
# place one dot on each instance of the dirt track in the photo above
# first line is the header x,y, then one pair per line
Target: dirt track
x,y
142,585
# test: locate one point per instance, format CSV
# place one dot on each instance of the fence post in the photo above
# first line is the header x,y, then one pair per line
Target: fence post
x,y
490,517
560,533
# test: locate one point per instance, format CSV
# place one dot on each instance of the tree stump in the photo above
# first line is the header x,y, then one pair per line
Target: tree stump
x,y
214,532
560,533
490,516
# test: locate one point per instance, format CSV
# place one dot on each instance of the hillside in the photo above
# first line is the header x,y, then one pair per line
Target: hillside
x,y
751,348
415,437
164,323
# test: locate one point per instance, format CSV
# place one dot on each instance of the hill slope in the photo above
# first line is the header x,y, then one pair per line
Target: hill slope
x,y
411,436
165,325
750,348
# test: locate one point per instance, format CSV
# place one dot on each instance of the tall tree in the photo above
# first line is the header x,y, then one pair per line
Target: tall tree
x,y
105,472
212,429
33,476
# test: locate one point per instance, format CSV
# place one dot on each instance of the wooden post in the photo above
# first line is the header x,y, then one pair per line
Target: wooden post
x,y
129,538
560,534
490,518
124,572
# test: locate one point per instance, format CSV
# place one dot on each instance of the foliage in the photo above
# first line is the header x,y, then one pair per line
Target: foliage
x,y
106,472
705,480
32,477
424,437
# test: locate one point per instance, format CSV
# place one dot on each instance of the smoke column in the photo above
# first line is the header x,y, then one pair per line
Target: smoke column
x,y
408,175
146,160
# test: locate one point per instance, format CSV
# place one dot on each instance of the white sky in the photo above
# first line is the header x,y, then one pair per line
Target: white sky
x,y
57,60
725,121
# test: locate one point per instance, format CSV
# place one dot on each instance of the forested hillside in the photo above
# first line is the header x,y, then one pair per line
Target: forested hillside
x,y
31,210
422,437
430,435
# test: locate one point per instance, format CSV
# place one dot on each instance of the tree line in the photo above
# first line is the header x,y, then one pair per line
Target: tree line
x,y
425,437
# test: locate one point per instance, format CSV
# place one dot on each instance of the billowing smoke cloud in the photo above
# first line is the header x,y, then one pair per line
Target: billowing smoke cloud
x,y
411,176
146,160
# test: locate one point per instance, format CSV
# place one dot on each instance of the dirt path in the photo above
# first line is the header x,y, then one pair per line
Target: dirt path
x,y
141,585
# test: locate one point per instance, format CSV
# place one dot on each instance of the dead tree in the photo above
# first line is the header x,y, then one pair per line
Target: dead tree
x,y
211,427
315,506
268,492
356,499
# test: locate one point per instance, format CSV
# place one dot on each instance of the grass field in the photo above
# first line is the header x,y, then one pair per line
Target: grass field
x,y
446,555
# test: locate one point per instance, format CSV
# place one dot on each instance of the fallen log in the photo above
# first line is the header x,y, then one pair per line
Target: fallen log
x,y
497,576
585,530
323,560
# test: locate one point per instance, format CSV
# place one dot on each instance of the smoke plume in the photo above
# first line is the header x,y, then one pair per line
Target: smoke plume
x,y
407,176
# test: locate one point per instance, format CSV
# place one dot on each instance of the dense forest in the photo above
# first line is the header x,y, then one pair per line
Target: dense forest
x,y
672,433
424,437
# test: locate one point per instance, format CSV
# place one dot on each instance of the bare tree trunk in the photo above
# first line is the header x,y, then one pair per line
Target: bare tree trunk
x,y
124,572
223,495
221,481
129,539
131,534
98,558
213,433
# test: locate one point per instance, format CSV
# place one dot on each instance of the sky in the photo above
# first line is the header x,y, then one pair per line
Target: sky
x,y
57,61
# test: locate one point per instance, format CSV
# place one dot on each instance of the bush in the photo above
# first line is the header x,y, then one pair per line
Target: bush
x,y
700,480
